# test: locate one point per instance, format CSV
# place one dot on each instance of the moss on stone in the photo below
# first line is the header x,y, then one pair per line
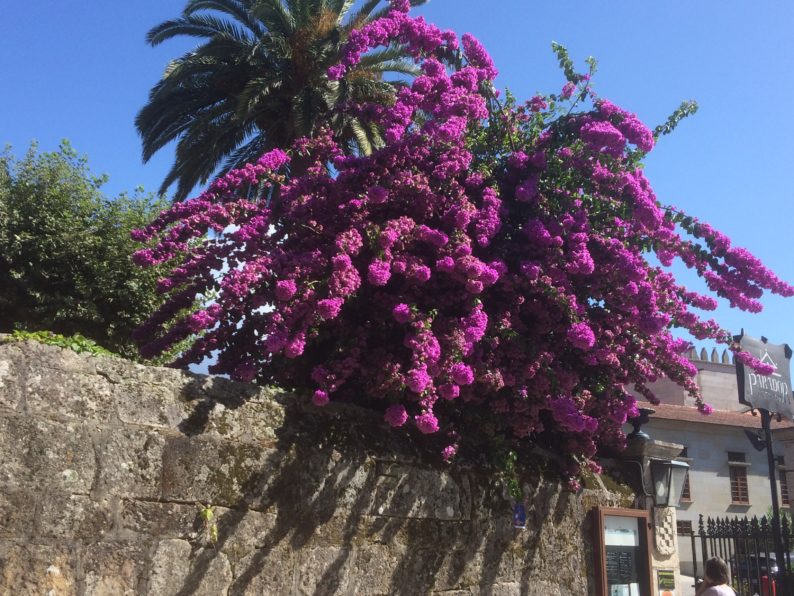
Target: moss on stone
x,y
616,487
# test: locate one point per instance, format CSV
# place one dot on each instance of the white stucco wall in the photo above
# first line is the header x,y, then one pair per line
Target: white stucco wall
x,y
707,448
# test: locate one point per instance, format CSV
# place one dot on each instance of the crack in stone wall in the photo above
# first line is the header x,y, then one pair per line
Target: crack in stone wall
x,y
105,463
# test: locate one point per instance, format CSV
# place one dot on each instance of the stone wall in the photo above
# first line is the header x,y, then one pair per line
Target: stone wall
x,y
105,463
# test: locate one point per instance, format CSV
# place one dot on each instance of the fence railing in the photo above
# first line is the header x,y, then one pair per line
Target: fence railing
x,y
747,545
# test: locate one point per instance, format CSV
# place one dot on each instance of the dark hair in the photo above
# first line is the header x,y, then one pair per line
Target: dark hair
x,y
717,570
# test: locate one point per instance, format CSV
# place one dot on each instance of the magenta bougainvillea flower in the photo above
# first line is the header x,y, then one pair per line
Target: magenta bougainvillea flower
x,y
488,268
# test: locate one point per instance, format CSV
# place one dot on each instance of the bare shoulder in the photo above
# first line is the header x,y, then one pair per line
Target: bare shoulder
x,y
723,590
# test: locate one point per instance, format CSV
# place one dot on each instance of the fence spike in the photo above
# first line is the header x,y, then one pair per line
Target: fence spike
x,y
755,527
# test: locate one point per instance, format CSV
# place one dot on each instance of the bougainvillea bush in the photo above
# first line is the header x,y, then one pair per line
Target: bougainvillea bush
x,y
496,273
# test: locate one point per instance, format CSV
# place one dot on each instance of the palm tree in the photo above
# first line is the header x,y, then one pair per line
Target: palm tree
x,y
258,81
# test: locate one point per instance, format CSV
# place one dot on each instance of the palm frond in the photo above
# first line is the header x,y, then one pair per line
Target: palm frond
x,y
247,153
374,16
338,7
391,52
194,163
303,10
361,136
195,26
254,93
361,16
237,9
406,67
275,16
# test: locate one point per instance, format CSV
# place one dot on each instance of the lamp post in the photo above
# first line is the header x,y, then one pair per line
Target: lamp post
x,y
772,396
756,440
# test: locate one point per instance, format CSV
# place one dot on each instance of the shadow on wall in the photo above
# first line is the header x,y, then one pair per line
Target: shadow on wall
x,y
105,462
326,513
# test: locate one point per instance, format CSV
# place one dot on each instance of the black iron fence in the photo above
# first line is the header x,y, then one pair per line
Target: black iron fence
x,y
747,545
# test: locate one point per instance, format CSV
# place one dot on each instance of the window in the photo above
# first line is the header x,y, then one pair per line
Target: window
x,y
684,527
686,495
738,472
781,475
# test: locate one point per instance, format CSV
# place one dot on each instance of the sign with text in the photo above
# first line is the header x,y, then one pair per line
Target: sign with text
x,y
666,581
622,552
768,392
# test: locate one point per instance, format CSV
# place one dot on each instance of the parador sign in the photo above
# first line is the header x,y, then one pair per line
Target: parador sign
x,y
766,392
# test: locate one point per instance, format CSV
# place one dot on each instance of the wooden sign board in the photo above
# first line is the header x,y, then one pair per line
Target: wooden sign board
x,y
622,551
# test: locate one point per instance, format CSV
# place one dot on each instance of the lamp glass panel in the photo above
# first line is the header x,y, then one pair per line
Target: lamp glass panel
x,y
661,482
678,471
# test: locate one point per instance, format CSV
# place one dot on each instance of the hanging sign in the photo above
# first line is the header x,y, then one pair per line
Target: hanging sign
x,y
768,392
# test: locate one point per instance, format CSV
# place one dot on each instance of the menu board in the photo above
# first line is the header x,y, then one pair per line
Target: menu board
x,y
621,565
622,552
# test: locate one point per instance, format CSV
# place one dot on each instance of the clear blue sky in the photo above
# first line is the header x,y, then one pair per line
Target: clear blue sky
x,y
81,70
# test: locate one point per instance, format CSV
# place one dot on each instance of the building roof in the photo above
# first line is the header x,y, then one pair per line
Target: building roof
x,y
720,417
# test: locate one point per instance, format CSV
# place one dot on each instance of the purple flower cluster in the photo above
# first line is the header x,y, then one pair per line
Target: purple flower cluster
x,y
581,336
512,291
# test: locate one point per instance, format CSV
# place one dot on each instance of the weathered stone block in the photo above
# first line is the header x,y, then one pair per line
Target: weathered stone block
x,y
533,587
130,462
339,528
163,520
170,564
17,509
66,517
420,533
222,473
377,569
265,571
39,453
113,569
150,404
33,570
218,577
412,564
323,571
11,361
254,422
241,532
177,569
404,491
42,356
514,589
68,395
459,565
332,480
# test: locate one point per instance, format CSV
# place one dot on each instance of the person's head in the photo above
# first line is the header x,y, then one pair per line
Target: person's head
x,y
717,571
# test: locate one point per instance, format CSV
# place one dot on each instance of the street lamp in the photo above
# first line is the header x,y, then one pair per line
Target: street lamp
x,y
655,464
668,478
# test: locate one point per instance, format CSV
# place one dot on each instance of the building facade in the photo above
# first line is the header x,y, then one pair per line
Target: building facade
x,y
728,476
